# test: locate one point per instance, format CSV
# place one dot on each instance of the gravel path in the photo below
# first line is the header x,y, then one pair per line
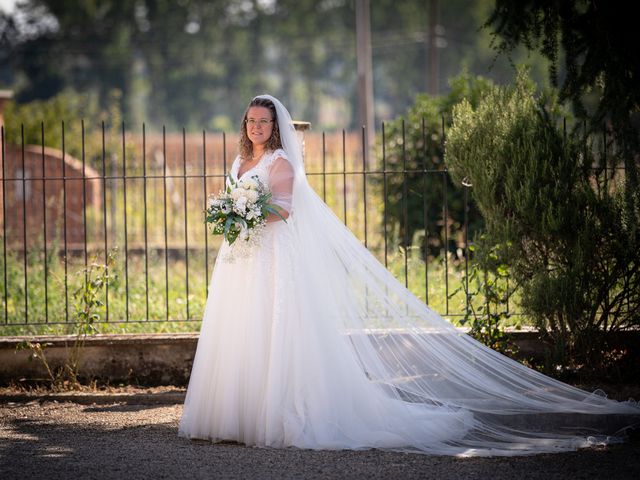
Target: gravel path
x,y
44,440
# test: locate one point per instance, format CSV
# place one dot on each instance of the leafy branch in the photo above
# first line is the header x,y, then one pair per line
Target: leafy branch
x,y
486,317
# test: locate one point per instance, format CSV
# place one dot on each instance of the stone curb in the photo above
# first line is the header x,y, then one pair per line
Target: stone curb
x,y
168,398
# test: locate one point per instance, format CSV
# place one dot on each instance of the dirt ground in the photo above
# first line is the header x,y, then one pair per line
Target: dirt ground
x,y
136,439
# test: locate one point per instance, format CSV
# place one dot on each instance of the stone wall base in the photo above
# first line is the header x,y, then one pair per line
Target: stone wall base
x,y
159,359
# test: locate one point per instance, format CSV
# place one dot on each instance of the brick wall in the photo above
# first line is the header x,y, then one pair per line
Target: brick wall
x,y
24,199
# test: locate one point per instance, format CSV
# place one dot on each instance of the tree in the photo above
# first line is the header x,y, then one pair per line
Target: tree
x,y
195,63
598,42
80,47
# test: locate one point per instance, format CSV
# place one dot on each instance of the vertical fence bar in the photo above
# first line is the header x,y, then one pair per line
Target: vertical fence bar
x,y
146,228
4,232
385,212
604,160
186,219
405,207
344,175
445,222
386,198
466,247
104,216
64,221
224,155
508,296
324,168
364,201
445,215
166,248
24,231
487,302
206,233
126,241
425,213
605,153
364,181
84,201
44,228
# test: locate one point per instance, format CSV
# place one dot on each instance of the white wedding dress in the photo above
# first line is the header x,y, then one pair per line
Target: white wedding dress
x,y
308,341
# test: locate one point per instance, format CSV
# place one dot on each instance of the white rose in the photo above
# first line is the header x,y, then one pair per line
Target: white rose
x,y
252,213
240,205
236,193
252,196
256,212
250,184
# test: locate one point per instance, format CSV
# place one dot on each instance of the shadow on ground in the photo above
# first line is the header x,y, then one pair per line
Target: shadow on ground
x,y
71,441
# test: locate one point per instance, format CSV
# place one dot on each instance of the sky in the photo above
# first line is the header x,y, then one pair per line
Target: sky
x,y
7,5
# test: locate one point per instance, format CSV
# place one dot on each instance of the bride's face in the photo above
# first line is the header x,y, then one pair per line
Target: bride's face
x,y
259,125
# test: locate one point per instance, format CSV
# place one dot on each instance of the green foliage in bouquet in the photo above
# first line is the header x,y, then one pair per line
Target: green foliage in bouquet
x,y
567,240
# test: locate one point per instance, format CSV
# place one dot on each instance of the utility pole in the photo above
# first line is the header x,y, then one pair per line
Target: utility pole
x,y
433,62
365,71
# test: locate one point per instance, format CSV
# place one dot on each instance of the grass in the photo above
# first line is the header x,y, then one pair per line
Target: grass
x,y
167,292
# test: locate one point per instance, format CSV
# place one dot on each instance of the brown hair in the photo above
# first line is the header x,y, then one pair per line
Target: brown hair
x,y
274,142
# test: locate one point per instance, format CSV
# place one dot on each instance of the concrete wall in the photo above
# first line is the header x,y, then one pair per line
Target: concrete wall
x,y
145,359
164,359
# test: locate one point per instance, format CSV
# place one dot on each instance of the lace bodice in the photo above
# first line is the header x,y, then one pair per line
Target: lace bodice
x,y
260,169
274,171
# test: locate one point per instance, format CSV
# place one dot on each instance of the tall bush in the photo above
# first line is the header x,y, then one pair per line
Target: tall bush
x,y
423,149
564,232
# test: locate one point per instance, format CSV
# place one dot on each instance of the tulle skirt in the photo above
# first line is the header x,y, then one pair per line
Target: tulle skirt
x,y
268,372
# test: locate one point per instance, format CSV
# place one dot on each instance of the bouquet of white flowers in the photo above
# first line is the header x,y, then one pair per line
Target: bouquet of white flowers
x,y
241,210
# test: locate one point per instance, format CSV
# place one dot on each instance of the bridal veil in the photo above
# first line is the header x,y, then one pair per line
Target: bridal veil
x,y
419,361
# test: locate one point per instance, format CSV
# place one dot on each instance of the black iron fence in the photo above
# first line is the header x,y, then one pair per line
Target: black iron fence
x,y
145,193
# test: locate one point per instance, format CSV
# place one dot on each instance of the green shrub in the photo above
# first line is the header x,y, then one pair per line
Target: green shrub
x,y
488,300
424,150
569,246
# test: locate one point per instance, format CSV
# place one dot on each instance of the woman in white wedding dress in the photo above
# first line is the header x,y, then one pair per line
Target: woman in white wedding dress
x,y
308,341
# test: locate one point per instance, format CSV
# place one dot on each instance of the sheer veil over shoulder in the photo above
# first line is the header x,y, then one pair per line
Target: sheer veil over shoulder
x,y
308,341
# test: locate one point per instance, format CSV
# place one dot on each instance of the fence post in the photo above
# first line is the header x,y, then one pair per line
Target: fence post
x,y
301,127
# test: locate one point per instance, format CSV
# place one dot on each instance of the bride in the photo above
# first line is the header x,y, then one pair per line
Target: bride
x,y
308,341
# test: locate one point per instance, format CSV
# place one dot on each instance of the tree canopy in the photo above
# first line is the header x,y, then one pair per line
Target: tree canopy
x,y
195,62
598,42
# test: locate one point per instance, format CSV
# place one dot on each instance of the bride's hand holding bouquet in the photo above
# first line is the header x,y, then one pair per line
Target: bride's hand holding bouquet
x,y
241,210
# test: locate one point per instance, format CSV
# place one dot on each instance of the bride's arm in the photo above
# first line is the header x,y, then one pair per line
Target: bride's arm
x,y
281,185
